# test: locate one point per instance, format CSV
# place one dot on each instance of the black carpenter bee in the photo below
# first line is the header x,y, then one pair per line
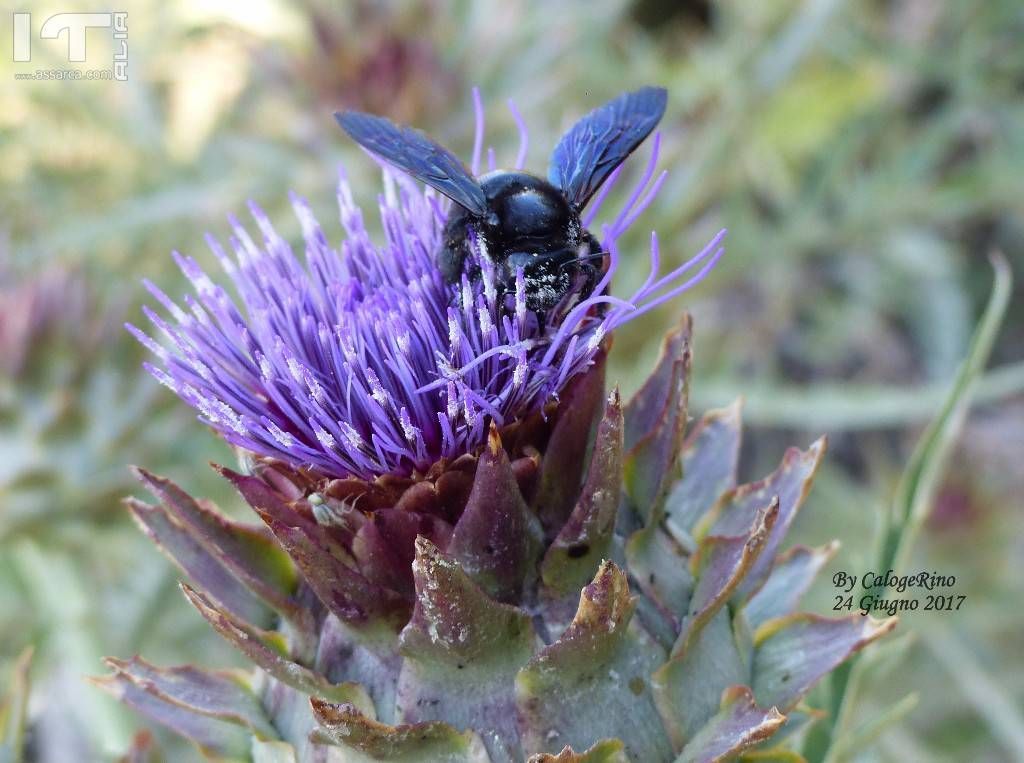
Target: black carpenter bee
x,y
521,220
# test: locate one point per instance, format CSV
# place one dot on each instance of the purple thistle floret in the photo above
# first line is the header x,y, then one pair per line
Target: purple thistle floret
x,y
363,361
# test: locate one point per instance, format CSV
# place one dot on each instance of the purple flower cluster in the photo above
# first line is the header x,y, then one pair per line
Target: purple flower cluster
x,y
52,303
361,360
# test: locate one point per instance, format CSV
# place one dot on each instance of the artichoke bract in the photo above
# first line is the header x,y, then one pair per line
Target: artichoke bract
x,y
470,549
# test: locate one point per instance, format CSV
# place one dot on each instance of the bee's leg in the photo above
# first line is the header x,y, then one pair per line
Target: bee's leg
x,y
591,276
542,323
595,249
450,260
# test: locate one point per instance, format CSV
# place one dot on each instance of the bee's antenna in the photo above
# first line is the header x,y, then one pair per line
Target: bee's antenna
x,y
591,256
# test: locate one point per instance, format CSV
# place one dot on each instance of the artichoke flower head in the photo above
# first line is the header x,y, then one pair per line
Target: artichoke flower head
x,y
468,549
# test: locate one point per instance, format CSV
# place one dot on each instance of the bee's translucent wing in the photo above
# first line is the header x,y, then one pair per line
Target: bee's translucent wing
x,y
601,141
412,151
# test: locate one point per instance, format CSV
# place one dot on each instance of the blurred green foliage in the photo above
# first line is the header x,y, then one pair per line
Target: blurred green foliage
x,y
865,156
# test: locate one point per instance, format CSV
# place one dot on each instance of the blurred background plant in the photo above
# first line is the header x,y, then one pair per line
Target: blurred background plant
x,y
866,157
